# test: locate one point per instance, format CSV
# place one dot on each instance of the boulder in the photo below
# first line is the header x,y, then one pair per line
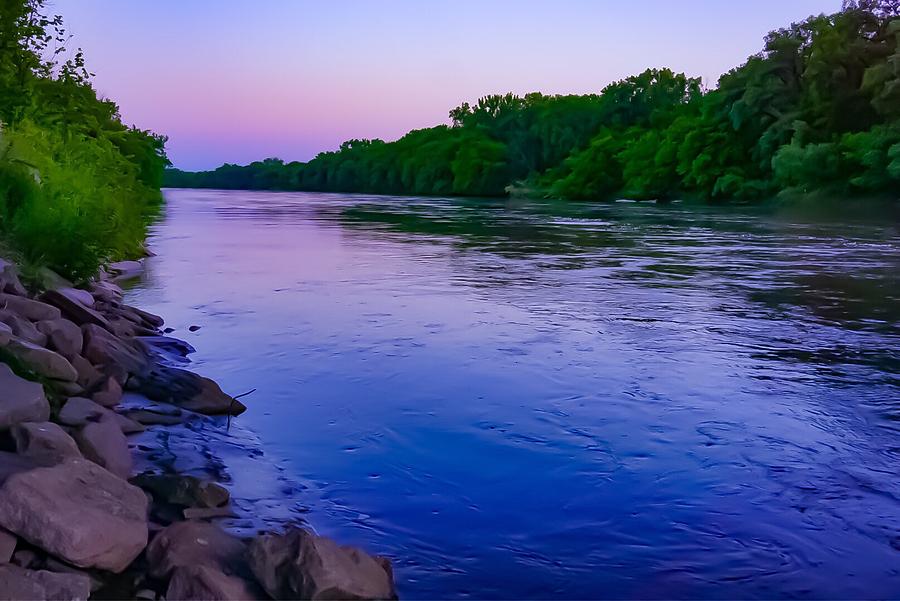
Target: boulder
x,y
106,292
65,389
128,425
302,565
17,584
103,442
77,295
6,334
44,442
78,512
130,322
125,270
122,327
20,400
63,336
73,308
28,308
9,279
8,543
149,320
187,389
184,490
103,348
129,314
41,361
189,583
79,411
88,375
169,345
117,372
195,544
109,393
22,328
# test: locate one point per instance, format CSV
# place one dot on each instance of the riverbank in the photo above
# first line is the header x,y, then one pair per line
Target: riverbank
x,y
110,479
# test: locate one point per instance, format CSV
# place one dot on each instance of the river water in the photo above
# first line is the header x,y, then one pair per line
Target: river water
x,y
517,399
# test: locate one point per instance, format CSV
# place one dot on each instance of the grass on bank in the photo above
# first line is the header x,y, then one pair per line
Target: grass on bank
x,y
77,186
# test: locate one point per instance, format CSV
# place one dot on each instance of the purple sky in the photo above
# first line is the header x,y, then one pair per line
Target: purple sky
x,y
232,81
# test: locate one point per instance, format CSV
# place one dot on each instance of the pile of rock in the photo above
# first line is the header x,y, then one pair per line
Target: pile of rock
x,y
75,520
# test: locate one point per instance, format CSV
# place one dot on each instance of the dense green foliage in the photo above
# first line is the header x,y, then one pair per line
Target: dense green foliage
x,y
76,185
816,111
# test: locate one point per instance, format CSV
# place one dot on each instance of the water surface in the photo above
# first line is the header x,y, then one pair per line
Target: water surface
x,y
546,400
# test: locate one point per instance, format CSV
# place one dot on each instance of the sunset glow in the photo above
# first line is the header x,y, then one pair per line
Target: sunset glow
x,y
238,82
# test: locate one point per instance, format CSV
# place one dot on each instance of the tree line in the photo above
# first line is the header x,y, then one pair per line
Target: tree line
x,y
77,186
816,111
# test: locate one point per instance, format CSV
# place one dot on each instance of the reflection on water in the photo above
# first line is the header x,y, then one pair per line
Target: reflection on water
x,y
556,400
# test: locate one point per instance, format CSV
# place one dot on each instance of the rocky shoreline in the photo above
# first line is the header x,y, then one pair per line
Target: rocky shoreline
x,y
90,509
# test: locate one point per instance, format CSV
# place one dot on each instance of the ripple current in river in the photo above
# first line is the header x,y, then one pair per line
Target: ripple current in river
x,y
547,400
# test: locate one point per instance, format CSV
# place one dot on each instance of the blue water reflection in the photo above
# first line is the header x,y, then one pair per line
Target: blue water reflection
x,y
549,400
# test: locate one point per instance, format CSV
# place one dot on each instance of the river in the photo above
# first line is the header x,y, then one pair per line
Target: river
x,y
520,399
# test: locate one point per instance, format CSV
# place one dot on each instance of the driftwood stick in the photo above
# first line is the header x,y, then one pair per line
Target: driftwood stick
x,y
231,406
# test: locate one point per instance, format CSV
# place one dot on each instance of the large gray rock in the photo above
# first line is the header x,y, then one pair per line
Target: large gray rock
x,y
109,394
122,328
171,347
302,565
125,270
88,375
195,544
64,388
6,334
103,348
104,443
129,321
41,361
77,511
190,583
9,279
72,308
78,295
18,584
44,442
106,292
63,336
188,390
20,400
147,319
128,425
22,328
185,490
79,411
28,308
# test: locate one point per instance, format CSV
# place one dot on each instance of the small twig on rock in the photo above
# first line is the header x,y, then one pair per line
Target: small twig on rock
x,y
231,406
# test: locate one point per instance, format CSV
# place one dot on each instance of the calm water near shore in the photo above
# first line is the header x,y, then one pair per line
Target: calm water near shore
x,y
531,399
